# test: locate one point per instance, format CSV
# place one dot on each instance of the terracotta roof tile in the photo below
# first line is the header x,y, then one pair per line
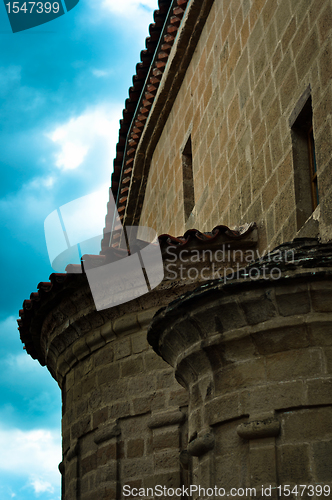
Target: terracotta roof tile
x,y
215,236
149,72
75,277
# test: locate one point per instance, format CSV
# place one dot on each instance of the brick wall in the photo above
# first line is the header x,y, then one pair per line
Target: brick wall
x,y
253,62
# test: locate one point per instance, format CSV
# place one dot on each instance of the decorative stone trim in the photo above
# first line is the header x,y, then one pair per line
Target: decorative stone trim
x,y
185,459
166,418
201,445
61,363
258,429
144,318
72,452
107,433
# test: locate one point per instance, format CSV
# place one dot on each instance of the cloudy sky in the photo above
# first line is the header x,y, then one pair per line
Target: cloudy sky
x,y
62,91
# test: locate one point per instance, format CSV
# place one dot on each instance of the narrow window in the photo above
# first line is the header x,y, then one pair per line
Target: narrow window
x,y
304,158
188,179
313,168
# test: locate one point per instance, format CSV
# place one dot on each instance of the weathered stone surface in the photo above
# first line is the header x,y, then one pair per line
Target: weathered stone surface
x,y
259,429
166,418
276,375
201,445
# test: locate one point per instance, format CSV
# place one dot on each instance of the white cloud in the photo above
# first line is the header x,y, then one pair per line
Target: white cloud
x,y
21,363
100,73
85,143
80,134
126,7
41,486
33,456
134,16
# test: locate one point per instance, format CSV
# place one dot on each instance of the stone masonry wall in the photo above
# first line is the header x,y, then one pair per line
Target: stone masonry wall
x,y
255,357
253,62
122,423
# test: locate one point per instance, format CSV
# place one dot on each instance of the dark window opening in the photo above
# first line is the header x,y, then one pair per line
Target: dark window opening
x,y
188,179
305,166
313,168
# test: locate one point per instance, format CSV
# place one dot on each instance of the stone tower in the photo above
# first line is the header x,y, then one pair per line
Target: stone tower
x,y
255,358
124,415
228,121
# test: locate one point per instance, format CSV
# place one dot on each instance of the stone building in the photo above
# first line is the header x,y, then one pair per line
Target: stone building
x,y
227,125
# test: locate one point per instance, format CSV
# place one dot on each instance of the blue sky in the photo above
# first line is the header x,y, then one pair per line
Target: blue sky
x,y
62,91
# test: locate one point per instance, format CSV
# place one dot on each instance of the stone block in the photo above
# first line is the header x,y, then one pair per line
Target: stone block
x,y
275,396
166,460
319,391
282,338
306,425
324,63
178,397
104,355
258,310
294,464
106,454
80,348
283,66
166,379
168,438
107,331
122,349
99,417
153,362
142,405
231,317
119,409
289,33
269,192
88,464
240,375
328,359
263,465
135,448
139,342
81,427
95,340
307,55
167,479
232,470
322,452
95,399
114,391
291,365
137,467
107,374
143,384
109,493
293,300
223,408
87,384
321,296
287,89
132,367
126,324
